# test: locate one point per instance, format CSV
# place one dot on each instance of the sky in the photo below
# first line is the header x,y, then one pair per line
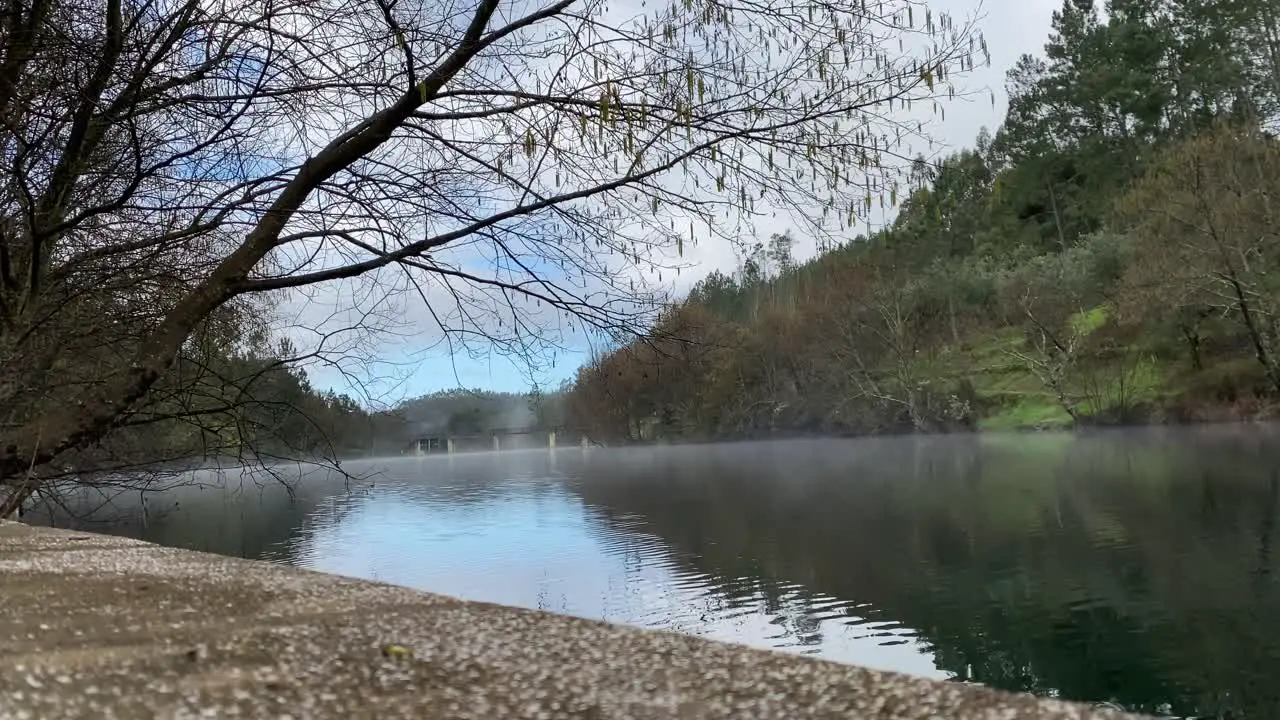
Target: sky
x,y
403,367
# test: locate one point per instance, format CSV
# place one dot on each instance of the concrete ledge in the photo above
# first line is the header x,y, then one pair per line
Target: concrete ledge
x,y
95,626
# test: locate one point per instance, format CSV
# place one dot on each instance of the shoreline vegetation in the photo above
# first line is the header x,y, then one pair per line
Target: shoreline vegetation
x,y
1106,257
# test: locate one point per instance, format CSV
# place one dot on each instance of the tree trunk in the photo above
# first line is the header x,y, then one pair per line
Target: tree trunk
x,y
1255,333
1057,219
1192,336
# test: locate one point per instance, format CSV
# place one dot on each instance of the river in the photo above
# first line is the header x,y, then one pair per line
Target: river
x,y
1135,568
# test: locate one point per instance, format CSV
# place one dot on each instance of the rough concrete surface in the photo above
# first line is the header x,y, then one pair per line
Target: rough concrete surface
x,y
102,627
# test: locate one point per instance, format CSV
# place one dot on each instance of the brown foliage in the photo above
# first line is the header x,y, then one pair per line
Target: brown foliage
x,y
1205,222
849,357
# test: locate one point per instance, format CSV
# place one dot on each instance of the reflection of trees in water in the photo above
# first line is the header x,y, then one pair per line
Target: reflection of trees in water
x,y
251,515
1135,568
690,601
226,512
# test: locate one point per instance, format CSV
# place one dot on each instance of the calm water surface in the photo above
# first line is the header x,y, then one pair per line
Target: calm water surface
x,y
1135,568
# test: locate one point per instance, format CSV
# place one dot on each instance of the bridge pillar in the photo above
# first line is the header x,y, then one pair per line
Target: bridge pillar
x,y
417,447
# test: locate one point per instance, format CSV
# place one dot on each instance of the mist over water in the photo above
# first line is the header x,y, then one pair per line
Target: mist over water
x,y
1134,568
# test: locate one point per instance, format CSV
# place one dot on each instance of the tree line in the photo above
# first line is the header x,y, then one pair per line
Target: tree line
x,y
1107,255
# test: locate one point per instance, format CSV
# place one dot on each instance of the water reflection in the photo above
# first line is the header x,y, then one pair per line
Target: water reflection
x,y
1131,568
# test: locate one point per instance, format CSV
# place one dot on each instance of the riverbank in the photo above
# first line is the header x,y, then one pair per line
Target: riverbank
x,y
99,626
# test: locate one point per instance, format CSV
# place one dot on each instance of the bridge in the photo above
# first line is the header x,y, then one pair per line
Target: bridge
x,y
497,439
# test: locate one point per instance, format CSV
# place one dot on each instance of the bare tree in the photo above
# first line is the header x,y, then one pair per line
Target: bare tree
x,y
1206,227
165,161
1051,354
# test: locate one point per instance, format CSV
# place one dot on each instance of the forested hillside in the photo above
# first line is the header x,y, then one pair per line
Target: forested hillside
x,y
1109,255
236,391
237,394
473,412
